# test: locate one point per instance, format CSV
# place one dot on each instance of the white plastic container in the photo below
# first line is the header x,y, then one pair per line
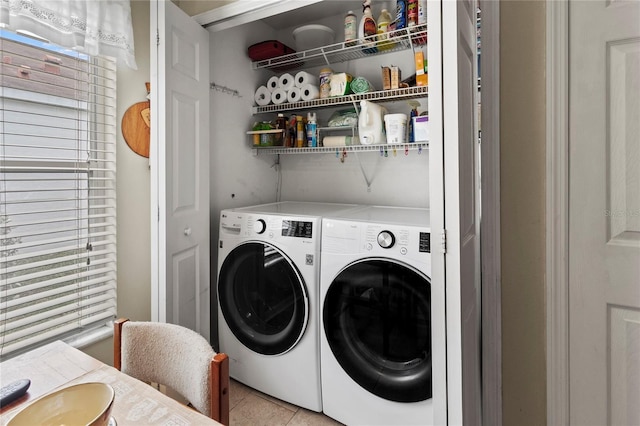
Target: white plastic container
x,y
396,128
370,123
312,36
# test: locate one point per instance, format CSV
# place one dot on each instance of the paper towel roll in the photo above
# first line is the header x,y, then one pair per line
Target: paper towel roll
x,y
286,81
273,83
303,78
309,92
293,95
279,96
335,141
262,96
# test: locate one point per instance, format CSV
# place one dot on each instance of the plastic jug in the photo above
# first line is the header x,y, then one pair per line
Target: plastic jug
x,y
384,22
371,123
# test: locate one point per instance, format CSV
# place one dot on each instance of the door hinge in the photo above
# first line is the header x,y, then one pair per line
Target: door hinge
x,y
158,213
443,241
157,37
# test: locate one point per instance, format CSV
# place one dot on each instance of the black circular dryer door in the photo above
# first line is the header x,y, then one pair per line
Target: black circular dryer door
x,y
377,319
263,298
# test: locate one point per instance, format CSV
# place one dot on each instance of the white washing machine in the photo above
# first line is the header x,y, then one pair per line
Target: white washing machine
x,y
268,297
378,325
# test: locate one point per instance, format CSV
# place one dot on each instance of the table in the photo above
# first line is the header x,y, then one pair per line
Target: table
x,y
59,365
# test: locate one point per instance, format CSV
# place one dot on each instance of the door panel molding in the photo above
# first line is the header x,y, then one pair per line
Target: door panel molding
x,y
623,144
623,360
557,213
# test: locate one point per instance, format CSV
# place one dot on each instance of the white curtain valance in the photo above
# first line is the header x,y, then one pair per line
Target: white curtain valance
x,y
95,27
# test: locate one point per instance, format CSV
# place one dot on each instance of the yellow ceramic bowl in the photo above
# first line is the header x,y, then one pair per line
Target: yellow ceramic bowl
x,y
83,404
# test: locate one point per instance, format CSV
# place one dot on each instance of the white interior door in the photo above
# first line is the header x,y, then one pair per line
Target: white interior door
x,y
179,164
462,211
604,212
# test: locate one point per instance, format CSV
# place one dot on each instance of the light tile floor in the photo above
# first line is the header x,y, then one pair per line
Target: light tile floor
x,y
248,407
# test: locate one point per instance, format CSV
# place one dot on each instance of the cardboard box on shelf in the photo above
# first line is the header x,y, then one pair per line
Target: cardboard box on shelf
x,y
422,78
386,78
395,77
421,128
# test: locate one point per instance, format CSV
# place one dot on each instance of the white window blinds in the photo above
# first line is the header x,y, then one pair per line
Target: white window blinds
x,y
57,193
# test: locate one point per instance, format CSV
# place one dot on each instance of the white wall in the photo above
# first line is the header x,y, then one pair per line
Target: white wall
x,y
133,211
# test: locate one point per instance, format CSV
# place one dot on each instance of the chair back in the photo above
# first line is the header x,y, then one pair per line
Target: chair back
x,y
174,356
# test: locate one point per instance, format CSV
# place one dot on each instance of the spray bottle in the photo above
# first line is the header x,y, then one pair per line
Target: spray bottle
x,y
367,28
414,113
312,130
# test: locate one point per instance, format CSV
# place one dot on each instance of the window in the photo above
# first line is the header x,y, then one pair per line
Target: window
x,y
57,193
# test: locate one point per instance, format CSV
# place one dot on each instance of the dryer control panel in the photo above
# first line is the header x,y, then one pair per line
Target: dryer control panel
x,y
343,236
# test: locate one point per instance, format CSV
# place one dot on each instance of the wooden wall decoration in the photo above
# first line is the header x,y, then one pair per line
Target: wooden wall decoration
x,y
136,126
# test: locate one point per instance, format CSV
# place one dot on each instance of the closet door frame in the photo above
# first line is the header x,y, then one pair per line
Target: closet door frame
x,y
490,224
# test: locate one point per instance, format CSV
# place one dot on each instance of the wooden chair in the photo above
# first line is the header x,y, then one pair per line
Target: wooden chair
x,y
176,357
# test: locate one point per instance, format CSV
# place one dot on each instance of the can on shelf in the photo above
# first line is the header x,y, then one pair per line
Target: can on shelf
x,y
325,86
301,135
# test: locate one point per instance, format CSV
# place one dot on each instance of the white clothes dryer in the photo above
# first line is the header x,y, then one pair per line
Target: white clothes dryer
x,y
268,297
377,353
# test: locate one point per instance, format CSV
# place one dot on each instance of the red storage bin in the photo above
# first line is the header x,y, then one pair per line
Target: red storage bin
x,y
267,50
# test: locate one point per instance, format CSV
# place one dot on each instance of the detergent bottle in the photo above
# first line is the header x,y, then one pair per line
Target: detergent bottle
x,y
350,29
401,21
384,23
371,123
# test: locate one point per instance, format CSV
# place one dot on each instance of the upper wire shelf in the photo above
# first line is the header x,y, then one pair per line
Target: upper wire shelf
x,y
406,38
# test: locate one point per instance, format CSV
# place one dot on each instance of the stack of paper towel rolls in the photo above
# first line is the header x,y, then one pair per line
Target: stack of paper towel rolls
x,y
288,88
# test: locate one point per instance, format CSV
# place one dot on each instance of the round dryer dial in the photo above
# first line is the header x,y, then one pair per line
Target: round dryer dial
x,y
260,226
386,239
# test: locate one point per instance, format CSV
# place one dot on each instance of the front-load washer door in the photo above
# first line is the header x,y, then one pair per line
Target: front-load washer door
x,y
377,321
263,298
